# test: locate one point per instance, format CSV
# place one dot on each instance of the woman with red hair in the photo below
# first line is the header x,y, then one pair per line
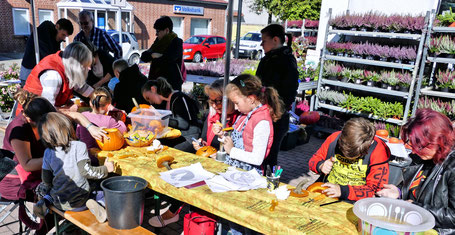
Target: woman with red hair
x,y
430,182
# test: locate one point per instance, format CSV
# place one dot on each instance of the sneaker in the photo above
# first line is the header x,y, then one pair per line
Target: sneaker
x,y
97,210
40,209
158,221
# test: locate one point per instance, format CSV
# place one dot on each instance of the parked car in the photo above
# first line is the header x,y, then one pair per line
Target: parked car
x,y
250,46
130,46
198,47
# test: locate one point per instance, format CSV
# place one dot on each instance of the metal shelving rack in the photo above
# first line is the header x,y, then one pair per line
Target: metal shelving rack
x,y
428,91
407,96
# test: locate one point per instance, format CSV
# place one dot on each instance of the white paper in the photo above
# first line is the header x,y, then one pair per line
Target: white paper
x,y
245,180
219,184
398,150
188,175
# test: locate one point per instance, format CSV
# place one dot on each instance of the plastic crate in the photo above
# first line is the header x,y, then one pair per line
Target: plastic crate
x,y
154,120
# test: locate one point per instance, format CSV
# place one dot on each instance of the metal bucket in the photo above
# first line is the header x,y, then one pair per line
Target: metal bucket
x,y
124,198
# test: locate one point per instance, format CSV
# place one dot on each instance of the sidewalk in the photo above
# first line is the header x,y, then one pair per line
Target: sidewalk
x,y
8,59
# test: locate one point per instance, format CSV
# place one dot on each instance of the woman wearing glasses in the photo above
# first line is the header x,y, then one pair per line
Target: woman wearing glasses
x,y
430,181
211,128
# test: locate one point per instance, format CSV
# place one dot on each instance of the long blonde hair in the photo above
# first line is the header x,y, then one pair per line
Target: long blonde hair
x,y
247,85
74,57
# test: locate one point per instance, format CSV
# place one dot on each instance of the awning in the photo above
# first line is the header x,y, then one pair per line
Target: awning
x,y
92,5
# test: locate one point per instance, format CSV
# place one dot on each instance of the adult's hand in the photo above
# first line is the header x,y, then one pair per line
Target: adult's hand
x,y
390,191
228,144
333,190
326,167
97,132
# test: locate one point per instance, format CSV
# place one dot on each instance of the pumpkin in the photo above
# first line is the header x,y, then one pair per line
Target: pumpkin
x,y
316,188
141,106
114,141
382,133
139,138
309,118
156,126
394,140
206,151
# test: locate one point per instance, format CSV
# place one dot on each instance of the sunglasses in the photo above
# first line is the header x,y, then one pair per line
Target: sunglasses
x,y
216,101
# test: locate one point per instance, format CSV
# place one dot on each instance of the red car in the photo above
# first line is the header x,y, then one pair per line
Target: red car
x,y
198,47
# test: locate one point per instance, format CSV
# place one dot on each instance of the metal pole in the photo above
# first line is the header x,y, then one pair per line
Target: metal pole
x,y
239,22
35,32
221,155
120,36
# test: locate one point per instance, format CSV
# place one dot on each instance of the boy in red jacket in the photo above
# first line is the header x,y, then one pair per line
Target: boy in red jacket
x,y
353,162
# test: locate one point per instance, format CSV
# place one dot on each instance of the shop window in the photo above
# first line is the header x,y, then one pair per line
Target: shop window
x,y
21,21
178,26
44,15
199,26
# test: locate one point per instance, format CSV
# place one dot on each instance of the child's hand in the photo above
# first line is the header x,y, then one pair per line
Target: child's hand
x,y
196,145
333,190
228,144
97,132
109,165
390,191
326,167
216,129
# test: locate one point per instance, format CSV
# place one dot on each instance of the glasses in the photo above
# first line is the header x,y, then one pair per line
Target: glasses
x,y
216,101
83,22
420,148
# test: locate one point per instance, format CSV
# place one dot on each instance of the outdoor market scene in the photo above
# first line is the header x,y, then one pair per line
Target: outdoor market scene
x,y
227,117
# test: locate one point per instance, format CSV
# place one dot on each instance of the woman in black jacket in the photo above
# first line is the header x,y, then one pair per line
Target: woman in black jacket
x,y
184,112
430,182
165,55
278,69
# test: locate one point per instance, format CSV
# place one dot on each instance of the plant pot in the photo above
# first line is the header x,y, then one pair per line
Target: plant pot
x,y
353,29
452,24
363,29
344,79
384,85
407,31
359,57
333,78
322,101
444,89
390,88
369,57
384,59
404,88
371,83
340,54
452,90
398,61
358,81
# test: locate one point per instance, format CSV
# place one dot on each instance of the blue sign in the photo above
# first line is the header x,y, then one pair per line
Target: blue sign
x,y
179,9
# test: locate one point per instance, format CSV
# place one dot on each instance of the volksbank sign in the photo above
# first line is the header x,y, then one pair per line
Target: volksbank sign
x,y
179,9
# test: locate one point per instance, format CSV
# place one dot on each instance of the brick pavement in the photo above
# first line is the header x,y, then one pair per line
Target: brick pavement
x,y
294,162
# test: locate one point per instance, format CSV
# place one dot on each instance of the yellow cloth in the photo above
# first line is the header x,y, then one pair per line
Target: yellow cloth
x,y
250,208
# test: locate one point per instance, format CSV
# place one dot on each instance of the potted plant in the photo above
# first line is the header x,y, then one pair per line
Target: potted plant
x,y
346,75
404,81
371,77
409,55
433,48
447,19
444,80
332,71
447,47
391,80
357,76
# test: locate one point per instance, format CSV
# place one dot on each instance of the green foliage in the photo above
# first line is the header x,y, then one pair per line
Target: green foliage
x,y
6,100
446,18
374,106
289,9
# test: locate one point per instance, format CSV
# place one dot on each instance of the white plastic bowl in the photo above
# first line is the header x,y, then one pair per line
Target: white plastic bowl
x,y
368,210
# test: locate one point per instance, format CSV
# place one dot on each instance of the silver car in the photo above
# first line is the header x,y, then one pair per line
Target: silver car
x,y
130,46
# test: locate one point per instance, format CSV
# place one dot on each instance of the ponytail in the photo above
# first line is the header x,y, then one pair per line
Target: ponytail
x,y
247,85
289,43
33,106
101,97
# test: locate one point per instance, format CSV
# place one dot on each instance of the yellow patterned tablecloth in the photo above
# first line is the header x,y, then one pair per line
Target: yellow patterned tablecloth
x,y
250,208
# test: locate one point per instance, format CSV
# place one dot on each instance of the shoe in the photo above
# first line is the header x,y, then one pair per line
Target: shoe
x,y
97,210
40,209
158,221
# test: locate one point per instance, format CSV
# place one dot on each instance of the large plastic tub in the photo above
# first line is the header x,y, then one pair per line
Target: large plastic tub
x,y
124,199
154,120
392,216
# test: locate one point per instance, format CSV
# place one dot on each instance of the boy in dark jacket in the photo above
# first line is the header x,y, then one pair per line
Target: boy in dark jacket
x,y
353,163
130,83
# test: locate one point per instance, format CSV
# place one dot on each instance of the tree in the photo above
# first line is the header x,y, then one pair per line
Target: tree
x,y
288,9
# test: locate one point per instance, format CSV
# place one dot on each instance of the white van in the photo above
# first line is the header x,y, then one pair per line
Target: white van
x,y
250,46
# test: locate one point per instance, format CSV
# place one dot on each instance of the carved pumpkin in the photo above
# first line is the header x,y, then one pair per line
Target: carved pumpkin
x,y
206,151
317,188
141,106
382,133
309,118
114,142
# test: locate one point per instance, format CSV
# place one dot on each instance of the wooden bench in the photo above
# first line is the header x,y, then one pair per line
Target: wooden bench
x,y
87,221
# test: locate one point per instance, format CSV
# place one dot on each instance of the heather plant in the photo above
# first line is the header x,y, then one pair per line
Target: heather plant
x,y
390,78
404,79
311,23
371,76
357,74
445,78
12,73
435,45
447,45
332,70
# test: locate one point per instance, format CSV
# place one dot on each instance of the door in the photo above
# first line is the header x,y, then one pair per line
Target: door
x,y
209,51
221,46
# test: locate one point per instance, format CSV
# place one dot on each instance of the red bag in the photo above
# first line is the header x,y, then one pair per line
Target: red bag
x,y
199,223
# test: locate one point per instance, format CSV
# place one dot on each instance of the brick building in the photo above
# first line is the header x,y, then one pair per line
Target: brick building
x,y
189,16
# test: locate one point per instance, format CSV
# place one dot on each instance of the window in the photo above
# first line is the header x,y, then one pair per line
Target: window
x,y
125,38
199,26
178,26
21,21
211,41
44,15
220,40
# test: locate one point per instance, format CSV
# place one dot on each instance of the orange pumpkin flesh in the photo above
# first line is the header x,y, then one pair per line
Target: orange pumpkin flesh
x,y
382,133
394,140
206,151
317,188
114,141
156,126
141,106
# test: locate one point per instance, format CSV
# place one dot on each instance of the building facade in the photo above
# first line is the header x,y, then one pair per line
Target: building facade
x,y
190,17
